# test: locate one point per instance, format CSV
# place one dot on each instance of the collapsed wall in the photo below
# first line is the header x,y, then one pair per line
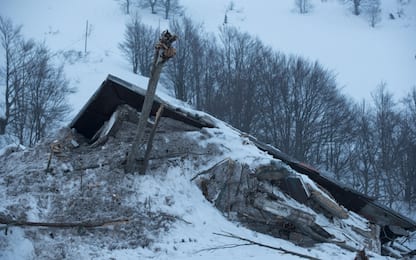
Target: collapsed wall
x,y
261,199
270,198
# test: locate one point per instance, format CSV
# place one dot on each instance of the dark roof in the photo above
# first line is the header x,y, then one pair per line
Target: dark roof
x,y
351,199
114,92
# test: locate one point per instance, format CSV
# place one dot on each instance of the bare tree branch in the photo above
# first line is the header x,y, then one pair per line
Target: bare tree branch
x,y
252,242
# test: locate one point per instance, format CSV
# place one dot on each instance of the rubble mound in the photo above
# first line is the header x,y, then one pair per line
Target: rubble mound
x,y
71,187
66,187
73,197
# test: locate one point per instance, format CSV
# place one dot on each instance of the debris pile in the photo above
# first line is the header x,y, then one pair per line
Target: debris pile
x,y
75,185
274,199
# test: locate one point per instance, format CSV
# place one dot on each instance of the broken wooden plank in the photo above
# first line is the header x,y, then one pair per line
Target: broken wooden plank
x,y
328,205
271,172
110,127
284,210
387,250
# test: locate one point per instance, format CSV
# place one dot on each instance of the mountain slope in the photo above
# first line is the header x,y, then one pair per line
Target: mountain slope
x,y
359,55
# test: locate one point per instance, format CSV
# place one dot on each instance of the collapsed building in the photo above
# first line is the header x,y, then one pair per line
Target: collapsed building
x,y
284,198
271,193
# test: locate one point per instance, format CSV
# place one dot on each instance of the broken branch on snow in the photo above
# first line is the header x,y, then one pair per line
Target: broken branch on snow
x,y
252,242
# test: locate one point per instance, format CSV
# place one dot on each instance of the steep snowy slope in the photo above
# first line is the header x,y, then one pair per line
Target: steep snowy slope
x,y
359,55
76,201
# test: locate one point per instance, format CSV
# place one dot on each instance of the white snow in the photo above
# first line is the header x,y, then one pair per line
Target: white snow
x,y
359,55
10,148
20,247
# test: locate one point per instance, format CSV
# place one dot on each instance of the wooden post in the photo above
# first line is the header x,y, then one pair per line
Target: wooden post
x,y
150,141
163,52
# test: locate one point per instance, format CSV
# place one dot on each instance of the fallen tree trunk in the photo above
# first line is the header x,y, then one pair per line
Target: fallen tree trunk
x,y
86,224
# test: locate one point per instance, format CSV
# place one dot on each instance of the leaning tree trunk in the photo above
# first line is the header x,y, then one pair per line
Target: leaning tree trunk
x,y
165,46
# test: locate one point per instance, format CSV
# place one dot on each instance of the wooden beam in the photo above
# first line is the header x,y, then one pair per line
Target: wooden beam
x,y
150,140
163,52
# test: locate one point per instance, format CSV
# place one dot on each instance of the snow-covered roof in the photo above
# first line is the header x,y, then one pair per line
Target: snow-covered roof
x,y
114,92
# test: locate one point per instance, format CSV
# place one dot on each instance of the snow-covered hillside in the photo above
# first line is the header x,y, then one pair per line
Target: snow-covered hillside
x,y
359,55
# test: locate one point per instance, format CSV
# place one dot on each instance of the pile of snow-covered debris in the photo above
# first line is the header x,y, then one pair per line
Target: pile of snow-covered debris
x,y
70,197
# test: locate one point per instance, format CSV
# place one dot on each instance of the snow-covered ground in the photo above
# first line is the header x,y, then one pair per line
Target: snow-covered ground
x,y
359,55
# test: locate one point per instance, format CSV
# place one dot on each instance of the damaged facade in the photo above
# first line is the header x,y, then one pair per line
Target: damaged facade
x,y
285,198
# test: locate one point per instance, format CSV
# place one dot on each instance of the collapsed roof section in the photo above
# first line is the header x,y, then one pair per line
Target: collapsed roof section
x,y
351,199
114,92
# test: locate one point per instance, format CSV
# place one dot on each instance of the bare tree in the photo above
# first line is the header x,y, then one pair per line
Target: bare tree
x,y
170,6
310,96
210,67
408,145
373,11
333,149
364,150
35,88
401,6
383,148
386,129
9,37
237,78
184,72
302,111
273,114
125,5
47,94
357,5
303,6
21,80
152,4
138,45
